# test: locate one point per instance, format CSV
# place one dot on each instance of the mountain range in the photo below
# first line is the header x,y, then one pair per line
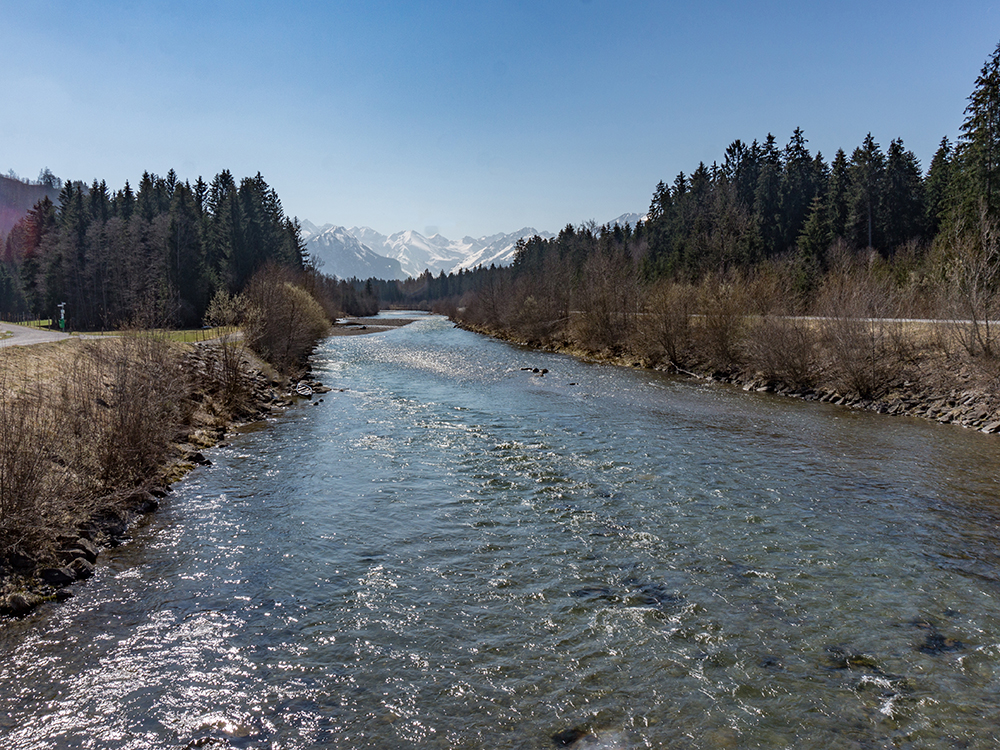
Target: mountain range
x,y
361,252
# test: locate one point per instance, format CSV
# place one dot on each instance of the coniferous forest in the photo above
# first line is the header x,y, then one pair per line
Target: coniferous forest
x,y
159,253
771,260
767,205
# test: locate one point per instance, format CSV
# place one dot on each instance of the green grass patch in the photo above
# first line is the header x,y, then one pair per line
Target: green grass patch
x,y
39,323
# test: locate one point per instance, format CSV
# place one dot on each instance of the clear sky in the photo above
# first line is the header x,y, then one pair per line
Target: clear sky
x,y
470,118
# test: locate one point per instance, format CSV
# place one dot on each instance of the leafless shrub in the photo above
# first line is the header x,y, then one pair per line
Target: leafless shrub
x,y
723,307
665,325
861,335
539,304
489,304
782,348
98,424
121,407
972,275
282,321
778,343
528,319
28,487
229,359
606,301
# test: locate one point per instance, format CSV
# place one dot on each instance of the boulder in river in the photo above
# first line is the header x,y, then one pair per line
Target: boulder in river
x,y
582,738
20,603
56,576
81,568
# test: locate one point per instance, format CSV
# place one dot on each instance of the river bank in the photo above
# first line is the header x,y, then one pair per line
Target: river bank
x,y
931,386
197,395
94,433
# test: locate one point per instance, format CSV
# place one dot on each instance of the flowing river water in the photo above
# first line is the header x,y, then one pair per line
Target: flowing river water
x,y
453,552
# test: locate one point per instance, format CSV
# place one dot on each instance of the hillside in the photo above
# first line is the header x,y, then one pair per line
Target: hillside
x,y
17,197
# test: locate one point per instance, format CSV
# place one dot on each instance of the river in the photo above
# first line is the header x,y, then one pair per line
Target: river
x,y
454,552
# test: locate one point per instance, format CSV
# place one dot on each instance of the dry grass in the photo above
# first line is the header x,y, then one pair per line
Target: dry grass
x,y
81,423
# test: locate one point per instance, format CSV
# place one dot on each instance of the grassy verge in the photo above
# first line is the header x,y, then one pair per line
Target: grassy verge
x,y
37,323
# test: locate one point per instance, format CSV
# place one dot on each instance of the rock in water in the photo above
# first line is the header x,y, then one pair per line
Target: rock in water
x,y
581,738
56,576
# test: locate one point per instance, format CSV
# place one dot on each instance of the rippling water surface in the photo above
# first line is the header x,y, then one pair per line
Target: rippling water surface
x,y
456,553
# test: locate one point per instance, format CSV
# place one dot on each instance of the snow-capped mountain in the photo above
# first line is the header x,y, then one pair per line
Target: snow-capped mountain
x,y
340,254
630,219
310,230
415,252
498,249
364,252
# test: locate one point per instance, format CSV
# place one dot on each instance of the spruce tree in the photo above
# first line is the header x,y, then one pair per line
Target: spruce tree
x,y
937,188
867,171
767,197
979,142
798,188
903,198
838,195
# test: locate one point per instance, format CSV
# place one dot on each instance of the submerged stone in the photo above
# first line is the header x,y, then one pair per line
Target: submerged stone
x,y
837,657
936,643
594,592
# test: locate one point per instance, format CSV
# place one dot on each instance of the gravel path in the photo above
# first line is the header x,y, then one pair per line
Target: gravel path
x,y
23,336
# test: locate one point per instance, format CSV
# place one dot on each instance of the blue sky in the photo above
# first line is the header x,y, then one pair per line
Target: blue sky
x,y
470,118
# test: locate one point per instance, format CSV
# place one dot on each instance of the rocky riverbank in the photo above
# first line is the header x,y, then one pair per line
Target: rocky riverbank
x,y
931,386
223,386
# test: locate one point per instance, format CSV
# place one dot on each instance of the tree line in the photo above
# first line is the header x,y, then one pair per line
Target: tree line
x,y
160,252
765,210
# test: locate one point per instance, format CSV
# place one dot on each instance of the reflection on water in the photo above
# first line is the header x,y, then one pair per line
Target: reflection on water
x,y
456,553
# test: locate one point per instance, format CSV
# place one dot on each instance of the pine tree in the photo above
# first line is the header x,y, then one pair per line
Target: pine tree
x,y
798,188
903,197
815,238
838,195
767,197
741,168
185,261
124,202
222,241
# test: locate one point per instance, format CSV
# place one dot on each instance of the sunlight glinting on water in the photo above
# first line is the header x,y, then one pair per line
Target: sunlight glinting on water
x,y
452,552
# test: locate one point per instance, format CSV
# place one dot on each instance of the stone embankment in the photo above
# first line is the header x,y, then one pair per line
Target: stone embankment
x,y
223,394
968,406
